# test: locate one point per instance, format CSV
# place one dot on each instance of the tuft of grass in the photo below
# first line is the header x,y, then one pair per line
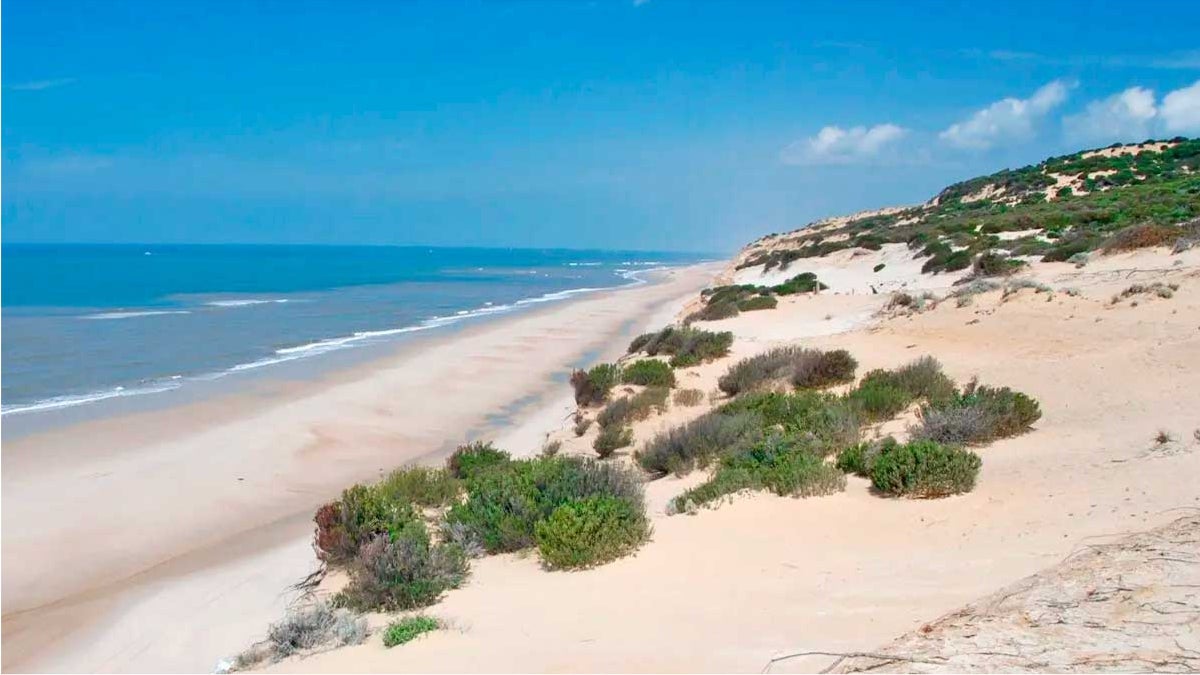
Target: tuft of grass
x,y
779,463
686,346
590,531
611,439
1163,437
308,627
408,629
592,386
1165,291
698,442
925,469
688,397
469,459
422,486
649,373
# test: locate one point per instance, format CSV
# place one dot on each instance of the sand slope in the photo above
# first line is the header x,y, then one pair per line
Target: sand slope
x,y
731,588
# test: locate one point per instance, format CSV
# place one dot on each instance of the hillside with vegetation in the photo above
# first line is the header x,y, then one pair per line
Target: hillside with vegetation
x,y
1051,211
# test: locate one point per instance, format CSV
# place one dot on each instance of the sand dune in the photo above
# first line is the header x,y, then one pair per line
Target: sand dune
x,y
731,588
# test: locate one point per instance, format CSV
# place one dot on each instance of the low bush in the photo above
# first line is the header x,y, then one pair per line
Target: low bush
x,y
590,531
779,463
925,469
816,369
469,459
878,267
1147,235
883,393
991,264
757,303
504,506
612,438
408,629
649,373
309,627
688,397
403,571
801,283
422,486
362,513
978,415
633,408
714,311
686,346
696,443
582,424
765,368
860,459
878,399
592,386
825,423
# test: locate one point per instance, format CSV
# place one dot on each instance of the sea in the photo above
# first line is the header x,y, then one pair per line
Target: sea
x,y
89,323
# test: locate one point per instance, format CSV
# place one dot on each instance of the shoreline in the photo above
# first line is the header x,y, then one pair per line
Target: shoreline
x,y
175,482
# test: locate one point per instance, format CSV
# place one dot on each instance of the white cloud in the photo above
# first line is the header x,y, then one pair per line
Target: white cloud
x,y
1181,110
1128,115
39,85
1007,119
835,145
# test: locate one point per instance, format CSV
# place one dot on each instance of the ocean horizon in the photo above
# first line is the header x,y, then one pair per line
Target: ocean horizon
x,y
91,322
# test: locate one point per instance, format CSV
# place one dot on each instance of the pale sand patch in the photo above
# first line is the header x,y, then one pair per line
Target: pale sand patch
x,y
728,589
165,540
853,271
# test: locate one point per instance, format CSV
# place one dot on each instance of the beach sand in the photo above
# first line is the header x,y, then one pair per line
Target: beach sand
x,y
165,540
731,588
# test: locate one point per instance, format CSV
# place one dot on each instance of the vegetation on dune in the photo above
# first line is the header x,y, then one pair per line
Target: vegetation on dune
x,y
978,415
925,468
697,443
633,408
1118,203
806,368
649,373
688,397
402,571
780,463
306,628
408,629
685,345
881,394
592,386
610,439
723,302
469,459
591,531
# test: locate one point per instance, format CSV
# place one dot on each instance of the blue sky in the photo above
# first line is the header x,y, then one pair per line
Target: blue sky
x,y
650,125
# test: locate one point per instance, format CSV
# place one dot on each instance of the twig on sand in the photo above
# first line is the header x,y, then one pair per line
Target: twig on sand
x,y
842,656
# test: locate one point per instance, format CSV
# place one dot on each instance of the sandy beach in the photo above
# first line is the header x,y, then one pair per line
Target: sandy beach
x,y
195,521
730,589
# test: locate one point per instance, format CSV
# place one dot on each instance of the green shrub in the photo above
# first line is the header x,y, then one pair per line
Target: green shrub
x,y
590,531
990,264
696,443
860,459
925,469
878,267
779,463
649,373
592,386
504,506
686,346
633,408
582,424
1146,235
825,423
688,397
765,368
816,369
877,399
402,571
757,303
921,379
714,311
422,486
801,283
408,629
469,459
612,438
